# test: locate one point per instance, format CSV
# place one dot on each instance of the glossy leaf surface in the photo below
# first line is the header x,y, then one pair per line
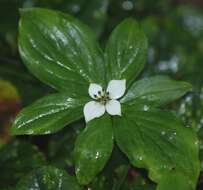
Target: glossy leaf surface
x,y
48,178
48,114
126,51
93,148
157,141
60,50
157,91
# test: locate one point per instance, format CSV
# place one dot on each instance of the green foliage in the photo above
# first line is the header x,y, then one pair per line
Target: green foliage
x,y
63,53
93,148
157,141
126,52
149,142
68,49
19,157
155,91
48,115
48,178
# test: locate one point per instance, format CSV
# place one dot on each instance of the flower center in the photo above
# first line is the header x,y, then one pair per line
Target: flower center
x,y
102,97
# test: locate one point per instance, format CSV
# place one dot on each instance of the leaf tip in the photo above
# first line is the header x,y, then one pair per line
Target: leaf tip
x,y
13,130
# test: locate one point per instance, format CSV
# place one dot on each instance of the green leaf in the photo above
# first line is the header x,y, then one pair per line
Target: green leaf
x,y
17,159
126,51
157,141
156,91
60,50
48,178
93,148
174,181
48,114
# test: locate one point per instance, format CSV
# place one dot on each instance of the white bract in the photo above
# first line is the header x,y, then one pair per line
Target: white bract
x,y
104,100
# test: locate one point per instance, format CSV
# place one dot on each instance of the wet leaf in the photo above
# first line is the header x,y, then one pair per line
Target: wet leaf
x,y
48,115
156,91
157,141
126,51
48,178
59,50
93,148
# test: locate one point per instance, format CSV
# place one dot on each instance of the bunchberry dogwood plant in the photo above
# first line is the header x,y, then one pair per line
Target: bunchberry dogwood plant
x,y
103,87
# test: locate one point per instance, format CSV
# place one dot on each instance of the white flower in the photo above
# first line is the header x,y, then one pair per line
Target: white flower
x,y
104,100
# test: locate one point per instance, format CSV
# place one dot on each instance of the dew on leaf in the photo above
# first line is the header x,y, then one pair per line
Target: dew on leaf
x,y
30,131
97,155
130,47
196,142
140,158
146,108
163,132
171,138
47,132
74,53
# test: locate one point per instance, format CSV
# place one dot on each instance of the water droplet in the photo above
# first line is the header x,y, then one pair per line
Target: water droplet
x,y
146,108
77,170
196,142
164,166
163,132
182,108
130,47
127,5
171,138
143,97
97,155
140,158
30,131
47,132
